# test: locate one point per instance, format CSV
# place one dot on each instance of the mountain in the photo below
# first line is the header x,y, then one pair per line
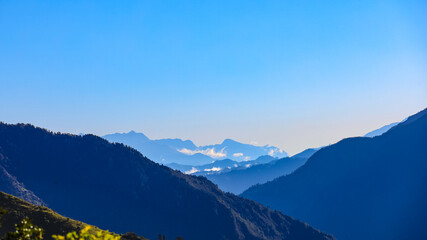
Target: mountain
x,y
306,153
242,152
167,151
381,130
239,179
219,166
161,151
131,138
115,187
260,160
51,222
360,188
11,185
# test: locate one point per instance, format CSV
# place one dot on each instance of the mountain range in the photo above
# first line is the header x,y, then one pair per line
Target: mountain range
x,y
239,179
360,188
166,151
230,175
115,187
220,166
235,177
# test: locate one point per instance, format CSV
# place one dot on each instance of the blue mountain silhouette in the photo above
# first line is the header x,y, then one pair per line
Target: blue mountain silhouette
x,y
360,188
115,187
182,152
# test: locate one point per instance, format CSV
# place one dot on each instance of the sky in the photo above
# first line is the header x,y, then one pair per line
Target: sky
x,y
293,74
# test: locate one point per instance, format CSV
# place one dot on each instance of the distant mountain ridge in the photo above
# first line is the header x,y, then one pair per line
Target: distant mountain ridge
x,y
220,166
161,151
235,177
243,152
114,187
306,153
241,178
381,130
360,188
167,151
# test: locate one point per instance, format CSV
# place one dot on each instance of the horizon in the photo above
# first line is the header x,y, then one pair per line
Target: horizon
x,y
221,141
278,73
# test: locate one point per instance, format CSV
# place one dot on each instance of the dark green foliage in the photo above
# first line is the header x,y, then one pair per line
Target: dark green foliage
x,y
2,212
16,220
25,230
88,234
43,217
132,236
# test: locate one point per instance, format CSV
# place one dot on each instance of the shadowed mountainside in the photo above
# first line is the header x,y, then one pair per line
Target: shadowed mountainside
x,y
238,180
51,222
8,183
114,187
360,188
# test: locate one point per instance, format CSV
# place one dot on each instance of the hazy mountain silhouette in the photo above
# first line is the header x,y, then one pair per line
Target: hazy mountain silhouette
x,y
260,160
161,151
240,151
306,153
219,166
381,130
114,187
167,151
239,179
131,138
360,188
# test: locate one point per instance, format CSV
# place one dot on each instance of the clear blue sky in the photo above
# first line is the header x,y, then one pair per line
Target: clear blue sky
x,y
294,74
